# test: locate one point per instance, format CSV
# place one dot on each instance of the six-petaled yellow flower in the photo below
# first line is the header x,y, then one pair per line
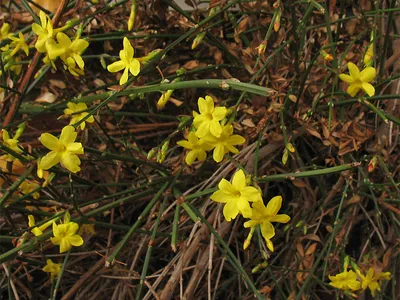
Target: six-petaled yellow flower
x,y
208,120
197,148
63,150
45,33
359,80
264,216
236,196
371,280
127,62
52,268
69,52
65,235
18,43
11,143
345,281
77,112
225,143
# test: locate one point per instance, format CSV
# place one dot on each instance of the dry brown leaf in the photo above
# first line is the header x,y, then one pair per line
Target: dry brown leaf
x,y
58,83
311,249
354,200
300,249
312,131
46,98
248,123
312,237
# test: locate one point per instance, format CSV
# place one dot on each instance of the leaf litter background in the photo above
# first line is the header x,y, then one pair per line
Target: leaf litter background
x,y
178,245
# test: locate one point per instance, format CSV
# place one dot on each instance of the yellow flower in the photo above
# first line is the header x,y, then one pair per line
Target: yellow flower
x,y
38,230
68,50
45,33
66,236
208,120
371,280
4,31
63,150
264,216
127,62
197,148
52,268
28,187
237,196
18,43
359,80
77,113
11,143
225,143
345,281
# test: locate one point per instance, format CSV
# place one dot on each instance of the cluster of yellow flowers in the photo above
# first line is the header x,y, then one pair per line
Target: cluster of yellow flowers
x,y
210,133
237,197
65,235
55,43
357,281
8,52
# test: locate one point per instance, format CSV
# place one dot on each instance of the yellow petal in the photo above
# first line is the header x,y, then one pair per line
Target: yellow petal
x,y
64,245
201,155
75,148
368,74
368,88
235,140
225,186
218,154
185,144
274,205
267,230
129,52
280,218
191,157
219,113
49,141
230,210
215,128
239,180
250,223
220,196
244,207
251,194
68,135
202,104
71,162
354,71
346,78
49,160
203,129
31,221
116,66
124,77
75,240
210,104
353,89
134,67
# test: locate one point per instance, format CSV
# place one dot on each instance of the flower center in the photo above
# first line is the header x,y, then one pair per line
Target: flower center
x,y
61,148
237,194
208,117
